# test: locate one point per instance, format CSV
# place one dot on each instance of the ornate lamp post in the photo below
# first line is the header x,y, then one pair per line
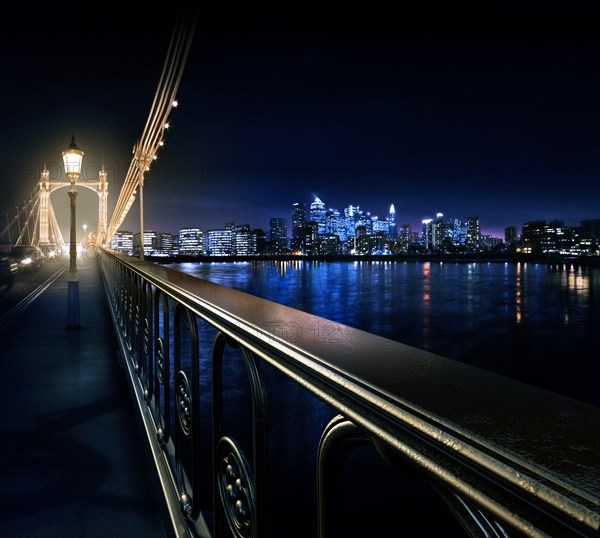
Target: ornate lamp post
x,y
72,158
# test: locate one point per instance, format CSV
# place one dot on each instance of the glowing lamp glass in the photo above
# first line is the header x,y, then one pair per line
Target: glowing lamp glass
x,y
72,158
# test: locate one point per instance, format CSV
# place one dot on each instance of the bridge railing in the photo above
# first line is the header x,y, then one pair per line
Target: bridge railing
x,y
267,421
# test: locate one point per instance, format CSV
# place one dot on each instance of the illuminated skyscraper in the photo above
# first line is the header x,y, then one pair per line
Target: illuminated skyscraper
x,y
350,220
317,214
364,219
392,230
382,226
426,232
437,233
335,224
456,231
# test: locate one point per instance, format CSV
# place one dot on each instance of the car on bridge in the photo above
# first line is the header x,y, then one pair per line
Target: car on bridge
x,y
27,256
49,250
8,268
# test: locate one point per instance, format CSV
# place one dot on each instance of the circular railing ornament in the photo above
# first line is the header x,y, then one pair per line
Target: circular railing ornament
x,y
183,398
235,488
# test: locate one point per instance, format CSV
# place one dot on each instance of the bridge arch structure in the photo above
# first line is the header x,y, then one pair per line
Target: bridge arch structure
x,y
47,225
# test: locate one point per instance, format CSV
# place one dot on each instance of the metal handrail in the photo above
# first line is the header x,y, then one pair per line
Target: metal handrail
x,y
507,458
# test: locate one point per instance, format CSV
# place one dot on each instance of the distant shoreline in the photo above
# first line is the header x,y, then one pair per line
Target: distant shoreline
x,y
452,258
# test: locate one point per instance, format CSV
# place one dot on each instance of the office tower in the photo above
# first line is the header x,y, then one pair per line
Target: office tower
x,y
278,243
298,222
261,240
190,241
362,240
437,233
426,232
364,219
164,244
510,235
350,220
405,235
330,245
219,243
150,243
380,226
335,224
590,229
473,234
378,243
245,241
560,239
456,231
310,238
122,241
588,233
531,236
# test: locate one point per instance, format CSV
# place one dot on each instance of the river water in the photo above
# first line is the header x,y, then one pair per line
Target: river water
x,y
536,323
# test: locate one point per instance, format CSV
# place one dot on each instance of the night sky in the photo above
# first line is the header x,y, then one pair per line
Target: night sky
x,y
498,118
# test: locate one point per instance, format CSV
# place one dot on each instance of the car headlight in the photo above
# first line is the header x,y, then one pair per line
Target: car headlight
x,y
26,261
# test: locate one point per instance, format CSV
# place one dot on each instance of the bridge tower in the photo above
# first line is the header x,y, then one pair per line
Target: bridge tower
x,y
102,207
44,208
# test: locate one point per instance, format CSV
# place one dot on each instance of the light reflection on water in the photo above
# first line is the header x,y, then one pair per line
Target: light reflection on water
x,y
531,322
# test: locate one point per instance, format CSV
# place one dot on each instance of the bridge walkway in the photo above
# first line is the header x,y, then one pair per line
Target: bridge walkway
x,y
72,458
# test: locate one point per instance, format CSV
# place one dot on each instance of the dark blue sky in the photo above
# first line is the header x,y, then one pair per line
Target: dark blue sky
x,y
497,119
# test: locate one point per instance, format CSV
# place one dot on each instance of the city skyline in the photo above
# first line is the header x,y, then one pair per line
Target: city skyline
x,y
416,227
501,124
316,231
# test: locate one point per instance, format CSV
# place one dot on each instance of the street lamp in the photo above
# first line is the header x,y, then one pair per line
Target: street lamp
x,y
72,158
84,240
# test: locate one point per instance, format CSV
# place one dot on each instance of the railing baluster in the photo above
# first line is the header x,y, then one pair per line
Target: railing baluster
x,y
339,438
147,340
240,489
162,391
187,404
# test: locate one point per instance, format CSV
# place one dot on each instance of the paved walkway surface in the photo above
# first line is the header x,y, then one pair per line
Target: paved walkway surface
x,y
73,462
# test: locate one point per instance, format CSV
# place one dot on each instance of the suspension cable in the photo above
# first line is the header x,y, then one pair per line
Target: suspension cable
x,y
145,149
